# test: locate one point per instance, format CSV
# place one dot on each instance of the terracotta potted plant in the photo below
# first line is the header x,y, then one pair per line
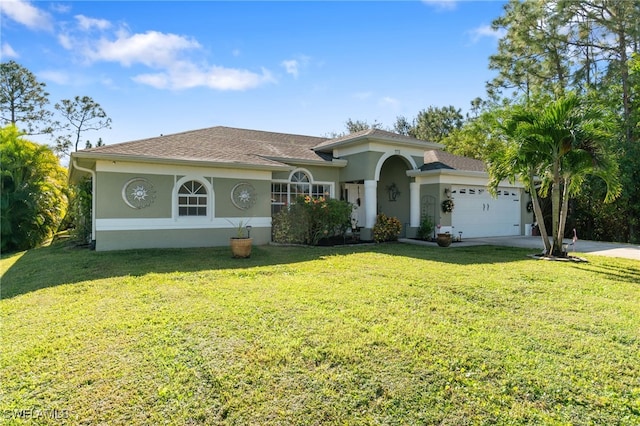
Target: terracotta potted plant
x,y
443,240
241,244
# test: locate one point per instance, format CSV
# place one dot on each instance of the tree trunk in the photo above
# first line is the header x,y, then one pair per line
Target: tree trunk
x,y
537,210
555,209
564,211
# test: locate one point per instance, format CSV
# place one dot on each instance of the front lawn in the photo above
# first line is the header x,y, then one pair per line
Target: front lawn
x,y
376,334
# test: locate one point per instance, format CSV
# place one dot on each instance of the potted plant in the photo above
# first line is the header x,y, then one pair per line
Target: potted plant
x,y
241,244
443,239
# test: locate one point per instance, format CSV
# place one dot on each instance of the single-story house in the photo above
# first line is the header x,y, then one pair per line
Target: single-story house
x,y
193,189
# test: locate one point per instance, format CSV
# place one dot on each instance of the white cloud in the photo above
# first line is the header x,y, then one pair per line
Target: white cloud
x,y
152,48
185,75
8,52
291,66
295,65
168,57
60,8
486,31
26,14
66,41
442,4
87,23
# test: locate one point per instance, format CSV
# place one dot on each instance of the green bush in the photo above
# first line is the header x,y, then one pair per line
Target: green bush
x,y
33,191
426,228
287,227
310,220
80,211
386,228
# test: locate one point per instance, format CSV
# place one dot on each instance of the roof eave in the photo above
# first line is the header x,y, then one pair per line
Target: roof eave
x,y
201,163
336,162
453,172
418,144
463,173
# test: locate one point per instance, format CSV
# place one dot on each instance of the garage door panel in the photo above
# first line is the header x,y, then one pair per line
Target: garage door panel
x,y
478,214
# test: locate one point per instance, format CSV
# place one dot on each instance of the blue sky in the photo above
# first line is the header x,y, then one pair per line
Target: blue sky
x,y
160,67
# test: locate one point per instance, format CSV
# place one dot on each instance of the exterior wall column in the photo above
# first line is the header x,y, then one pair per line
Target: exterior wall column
x,y
414,204
370,202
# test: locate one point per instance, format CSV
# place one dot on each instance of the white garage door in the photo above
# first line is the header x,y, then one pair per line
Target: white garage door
x,y
478,214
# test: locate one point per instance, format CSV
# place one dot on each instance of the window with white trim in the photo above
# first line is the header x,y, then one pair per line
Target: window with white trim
x,y
192,199
300,184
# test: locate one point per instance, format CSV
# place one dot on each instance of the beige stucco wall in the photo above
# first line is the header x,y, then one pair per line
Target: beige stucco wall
x,y
318,173
225,208
360,166
525,216
173,238
436,190
394,171
119,226
110,204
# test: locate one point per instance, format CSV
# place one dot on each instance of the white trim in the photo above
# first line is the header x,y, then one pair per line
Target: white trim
x,y
312,181
379,140
303,170
379,147
370,202
167,223
414,204
390,154
458,177
168,169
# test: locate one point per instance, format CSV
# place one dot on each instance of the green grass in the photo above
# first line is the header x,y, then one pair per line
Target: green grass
x,y
384,334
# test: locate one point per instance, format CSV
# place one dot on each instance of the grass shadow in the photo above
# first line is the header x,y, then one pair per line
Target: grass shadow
x,y
63,264
614,271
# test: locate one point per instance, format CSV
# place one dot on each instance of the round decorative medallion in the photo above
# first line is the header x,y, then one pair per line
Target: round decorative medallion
x,y
138,193
243,195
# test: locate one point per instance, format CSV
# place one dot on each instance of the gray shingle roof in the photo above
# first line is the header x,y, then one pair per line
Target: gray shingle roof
x,y
220,144
438,160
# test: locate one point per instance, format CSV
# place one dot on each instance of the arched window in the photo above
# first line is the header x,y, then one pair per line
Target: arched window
x,y
192,199
300,183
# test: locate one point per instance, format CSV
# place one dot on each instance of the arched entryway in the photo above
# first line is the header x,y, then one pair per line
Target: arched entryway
x,y
393,190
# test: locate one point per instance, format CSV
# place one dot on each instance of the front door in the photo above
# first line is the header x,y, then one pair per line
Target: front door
x,y
355,195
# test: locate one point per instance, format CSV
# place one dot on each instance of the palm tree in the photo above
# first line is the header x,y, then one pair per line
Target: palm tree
x,y
33,196
554,148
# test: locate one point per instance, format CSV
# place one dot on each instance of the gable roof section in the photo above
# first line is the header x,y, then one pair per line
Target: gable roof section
x,y
377,134
225,145
441,160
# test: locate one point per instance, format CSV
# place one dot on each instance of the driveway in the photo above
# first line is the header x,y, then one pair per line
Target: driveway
x,y
628,251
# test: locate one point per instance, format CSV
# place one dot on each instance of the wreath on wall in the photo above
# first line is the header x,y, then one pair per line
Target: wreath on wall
x,y
447,206
530,206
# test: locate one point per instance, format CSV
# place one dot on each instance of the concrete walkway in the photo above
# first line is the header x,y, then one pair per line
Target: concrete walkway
x,y
628,251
